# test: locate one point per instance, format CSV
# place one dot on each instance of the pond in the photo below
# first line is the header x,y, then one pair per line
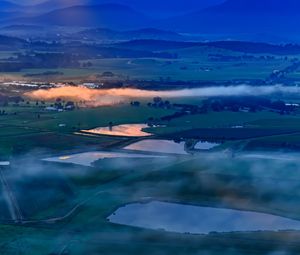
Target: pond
x,y
159,146
183,218
88,158
205,145
128,130
4,163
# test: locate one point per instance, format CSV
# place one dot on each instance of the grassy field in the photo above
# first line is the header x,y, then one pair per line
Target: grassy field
x,y
65,206
289,141
99,117
192,64
225,120
215,179
51,129
188,69
211,181
32,127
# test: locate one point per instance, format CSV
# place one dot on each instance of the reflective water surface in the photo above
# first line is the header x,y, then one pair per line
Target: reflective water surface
x,y
129,130
183,218
88,158
162,146
205,145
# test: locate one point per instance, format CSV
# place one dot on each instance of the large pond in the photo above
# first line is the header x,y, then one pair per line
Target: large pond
x,y
205,145
182,218
88,158
160,146
130,130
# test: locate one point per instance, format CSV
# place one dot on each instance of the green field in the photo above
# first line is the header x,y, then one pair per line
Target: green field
x,y
70,217
36,125
228,151
213,181
192,64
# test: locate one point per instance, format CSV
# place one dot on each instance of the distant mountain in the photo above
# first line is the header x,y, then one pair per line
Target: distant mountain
x,y
7,15
9,6
102,34
114,16
257,20
23,31
154,7
156,45
278,7
56,4
21,27
8,39
7,42
241,17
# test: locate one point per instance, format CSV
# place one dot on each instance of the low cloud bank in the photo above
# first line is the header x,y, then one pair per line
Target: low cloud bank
x,y
96,97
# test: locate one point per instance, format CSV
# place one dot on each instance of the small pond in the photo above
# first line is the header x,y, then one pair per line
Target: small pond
x,y
88,158
183,218
205,145
159,146
130,130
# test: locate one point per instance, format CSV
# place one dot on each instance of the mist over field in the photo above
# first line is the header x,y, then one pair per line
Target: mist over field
x,y
93,97
140,127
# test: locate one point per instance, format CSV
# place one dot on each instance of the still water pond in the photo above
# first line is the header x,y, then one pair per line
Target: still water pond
x,y
205,145
160,146
88,158
182,218
130,130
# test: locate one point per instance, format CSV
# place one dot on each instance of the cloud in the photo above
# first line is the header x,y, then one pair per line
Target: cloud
x,y
101,97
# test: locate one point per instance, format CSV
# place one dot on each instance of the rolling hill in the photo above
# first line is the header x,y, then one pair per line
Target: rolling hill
x,y
114,16
258,20
275,17
103,34
154,7
8,15
9,6
238,46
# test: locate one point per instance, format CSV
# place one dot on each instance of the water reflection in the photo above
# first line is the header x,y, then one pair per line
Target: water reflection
x,y
161,146
129,130
88,158
198,220
205,145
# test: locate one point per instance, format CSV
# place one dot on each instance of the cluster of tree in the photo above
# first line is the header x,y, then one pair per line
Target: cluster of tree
x,y
280,75
3,113
49,60
5,100
86,64
229,58
39,60
234,104
183,109
62,105
174,116
135,103
48,73
94,51
238,46
255,47
158,102
107,74
251,104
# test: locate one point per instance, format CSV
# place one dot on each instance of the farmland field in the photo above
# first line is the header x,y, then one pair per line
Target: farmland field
x,y
138,128
192,65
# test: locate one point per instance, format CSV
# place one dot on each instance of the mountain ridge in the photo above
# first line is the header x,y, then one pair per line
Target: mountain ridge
x,y
92,16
